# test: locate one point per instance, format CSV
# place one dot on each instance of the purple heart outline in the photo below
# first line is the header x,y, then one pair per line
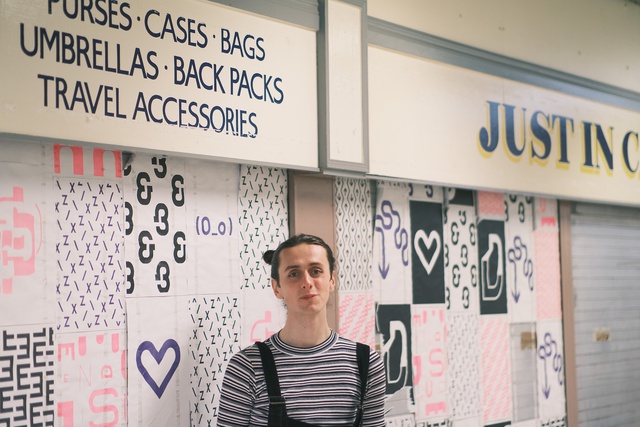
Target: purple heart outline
x,y
158,356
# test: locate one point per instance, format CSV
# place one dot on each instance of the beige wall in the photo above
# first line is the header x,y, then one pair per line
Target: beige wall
x,y
311,211
594,39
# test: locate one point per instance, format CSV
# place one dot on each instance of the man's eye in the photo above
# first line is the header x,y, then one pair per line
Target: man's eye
x,y
293,274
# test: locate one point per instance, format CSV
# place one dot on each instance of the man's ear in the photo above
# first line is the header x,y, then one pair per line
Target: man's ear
x,y
276,288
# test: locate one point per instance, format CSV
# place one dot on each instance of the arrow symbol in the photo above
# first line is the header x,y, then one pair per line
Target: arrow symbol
x,y
384,268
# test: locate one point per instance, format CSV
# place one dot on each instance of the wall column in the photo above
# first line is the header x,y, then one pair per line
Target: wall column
x,y
311,211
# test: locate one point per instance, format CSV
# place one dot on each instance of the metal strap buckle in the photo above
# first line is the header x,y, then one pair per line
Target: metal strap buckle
x,y
276,400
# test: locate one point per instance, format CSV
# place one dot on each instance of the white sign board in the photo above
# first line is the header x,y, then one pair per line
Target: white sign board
x,y
190,77
437,123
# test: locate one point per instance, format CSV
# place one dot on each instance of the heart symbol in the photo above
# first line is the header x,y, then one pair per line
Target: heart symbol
x,y
158,356
432,238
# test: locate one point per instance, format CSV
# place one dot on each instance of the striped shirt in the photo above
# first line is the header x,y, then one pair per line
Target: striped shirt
x,y
320,385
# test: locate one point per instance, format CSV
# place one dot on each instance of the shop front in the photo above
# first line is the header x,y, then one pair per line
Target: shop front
x,y
151,153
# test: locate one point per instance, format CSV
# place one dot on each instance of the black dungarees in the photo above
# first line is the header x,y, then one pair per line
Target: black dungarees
x,y
277,407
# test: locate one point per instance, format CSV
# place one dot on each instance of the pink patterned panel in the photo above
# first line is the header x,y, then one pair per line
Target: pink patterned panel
x,y
20,237
98,161
491,204
546,213
356,317
429,334
547,274
91,379
496,369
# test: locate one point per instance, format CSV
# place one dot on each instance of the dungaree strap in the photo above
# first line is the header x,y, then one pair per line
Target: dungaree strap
x,y
277,408
362,352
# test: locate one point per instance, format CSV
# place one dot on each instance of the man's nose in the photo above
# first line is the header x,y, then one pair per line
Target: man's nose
x,y
306,280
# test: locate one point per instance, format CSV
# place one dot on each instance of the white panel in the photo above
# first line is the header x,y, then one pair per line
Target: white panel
x,y
523,364
520,255
157,342
27,257
391,246
345,82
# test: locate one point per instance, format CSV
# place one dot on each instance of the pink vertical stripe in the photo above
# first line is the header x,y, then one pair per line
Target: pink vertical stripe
x,y
496,369
547,274
491,204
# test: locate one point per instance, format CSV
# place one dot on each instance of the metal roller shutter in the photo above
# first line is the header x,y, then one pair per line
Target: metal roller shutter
x,y
606,280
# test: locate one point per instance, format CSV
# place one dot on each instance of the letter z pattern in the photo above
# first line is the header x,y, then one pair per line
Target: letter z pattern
x,y
558,422
90,254
215,330
264,222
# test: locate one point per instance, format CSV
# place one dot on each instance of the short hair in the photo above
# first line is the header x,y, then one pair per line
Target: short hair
x,y
272,257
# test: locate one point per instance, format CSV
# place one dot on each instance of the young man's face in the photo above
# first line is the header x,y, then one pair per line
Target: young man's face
x,y
305,280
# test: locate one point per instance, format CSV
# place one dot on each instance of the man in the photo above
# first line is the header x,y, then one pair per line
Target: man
x,y
316,372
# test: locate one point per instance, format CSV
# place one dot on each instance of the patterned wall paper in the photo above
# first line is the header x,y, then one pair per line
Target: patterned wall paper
x,y
392,245
400,421
264,220
551,383
196,298
191,240
496,369
89,212
461,252
434,423
156,226
554,422
214,338
90,287
212,227
463,342
393,324
427,252
429,358
22,226
548,256
354,234
91,378
354,253
519,250
491,205
545,213
25,259
27,380
356,314
482,351
263,225
90,252
492,267
27,376
425,193
158,361
547,274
